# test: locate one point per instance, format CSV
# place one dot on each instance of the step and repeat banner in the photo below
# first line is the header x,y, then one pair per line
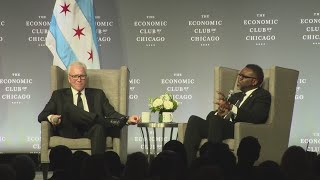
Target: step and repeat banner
x,y
168,46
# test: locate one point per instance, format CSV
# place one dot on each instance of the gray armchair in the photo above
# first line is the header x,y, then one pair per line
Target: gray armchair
x,y
274,134
114,83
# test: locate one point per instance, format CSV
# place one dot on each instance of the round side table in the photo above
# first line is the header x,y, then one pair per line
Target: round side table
x,y
155,125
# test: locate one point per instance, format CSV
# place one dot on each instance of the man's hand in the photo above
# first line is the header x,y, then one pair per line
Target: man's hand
x,y
55,120
134,119
222,112
223,103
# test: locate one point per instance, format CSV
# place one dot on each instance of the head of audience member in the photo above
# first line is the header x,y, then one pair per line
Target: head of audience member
x,y
206,173
114,163
203,151
212,150
77,163
216,155
217,151
250,77
167,165
137,167
294,162
60,157
226,160
24,166
248,150
95,167
269,164
201,161
268,170
267,173
316,166
178,147
77,75
7,172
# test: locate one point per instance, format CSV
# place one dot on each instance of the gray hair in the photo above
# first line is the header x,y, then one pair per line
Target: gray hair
x,y
77,63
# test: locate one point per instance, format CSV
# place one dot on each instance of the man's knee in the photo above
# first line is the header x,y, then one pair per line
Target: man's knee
x,y
193,119
195,122
211,115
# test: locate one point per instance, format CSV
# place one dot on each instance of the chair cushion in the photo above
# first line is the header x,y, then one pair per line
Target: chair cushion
x,y
81,143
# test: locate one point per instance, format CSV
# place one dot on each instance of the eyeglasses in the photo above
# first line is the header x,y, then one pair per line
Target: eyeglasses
x,y
76,77
245,77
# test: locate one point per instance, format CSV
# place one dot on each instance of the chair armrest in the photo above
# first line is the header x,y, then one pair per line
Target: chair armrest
x,y
243,129
46,133
123,152
120,144
181,131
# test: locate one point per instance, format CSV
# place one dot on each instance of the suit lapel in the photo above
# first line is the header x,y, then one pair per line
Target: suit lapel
x,y
89,96
250,98
68,95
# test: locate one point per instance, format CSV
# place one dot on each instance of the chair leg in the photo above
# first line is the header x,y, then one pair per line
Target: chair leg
x,y
45,169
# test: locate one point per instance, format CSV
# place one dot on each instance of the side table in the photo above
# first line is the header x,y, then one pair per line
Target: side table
x,y
155,125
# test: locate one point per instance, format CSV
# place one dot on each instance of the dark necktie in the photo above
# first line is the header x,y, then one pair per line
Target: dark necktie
x,y
79,101
240,99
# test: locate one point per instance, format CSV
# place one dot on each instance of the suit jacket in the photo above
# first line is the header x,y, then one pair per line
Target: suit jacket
x,y
73,119
255,109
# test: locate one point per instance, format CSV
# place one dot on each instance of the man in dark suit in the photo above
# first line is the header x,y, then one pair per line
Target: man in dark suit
x,y
250,105
77,111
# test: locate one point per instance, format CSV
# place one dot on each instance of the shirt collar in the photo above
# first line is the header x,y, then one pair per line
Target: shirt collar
x,y
248,93
75,92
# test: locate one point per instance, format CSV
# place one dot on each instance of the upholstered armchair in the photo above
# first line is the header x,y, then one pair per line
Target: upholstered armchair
x,y
114,83
274,134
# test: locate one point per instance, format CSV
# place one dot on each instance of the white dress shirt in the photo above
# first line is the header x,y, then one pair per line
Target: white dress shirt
x,y
83,97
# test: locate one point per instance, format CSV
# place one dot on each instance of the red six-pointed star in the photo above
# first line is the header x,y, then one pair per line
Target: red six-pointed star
x,y
65,9
78,32
90,55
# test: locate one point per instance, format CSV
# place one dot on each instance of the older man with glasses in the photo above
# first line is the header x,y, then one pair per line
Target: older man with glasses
x,y
78,111
251,105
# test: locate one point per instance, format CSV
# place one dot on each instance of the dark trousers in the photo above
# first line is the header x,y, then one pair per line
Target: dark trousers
x,y
77,123
215,128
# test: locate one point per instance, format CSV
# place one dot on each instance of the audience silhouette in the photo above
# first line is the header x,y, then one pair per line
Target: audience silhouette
x,y
114,164
137,167
24,167
60,159
7,172
248,153
167,165
77,163
215,162
294,164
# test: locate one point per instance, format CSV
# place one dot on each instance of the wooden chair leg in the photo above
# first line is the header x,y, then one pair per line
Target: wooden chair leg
x,y
45,169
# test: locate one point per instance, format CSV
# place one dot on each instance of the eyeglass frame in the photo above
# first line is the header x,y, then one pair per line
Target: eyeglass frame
x,y
245,77
76,77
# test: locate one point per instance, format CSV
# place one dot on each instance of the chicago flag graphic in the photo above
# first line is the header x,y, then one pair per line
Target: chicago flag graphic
x,y
72,34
